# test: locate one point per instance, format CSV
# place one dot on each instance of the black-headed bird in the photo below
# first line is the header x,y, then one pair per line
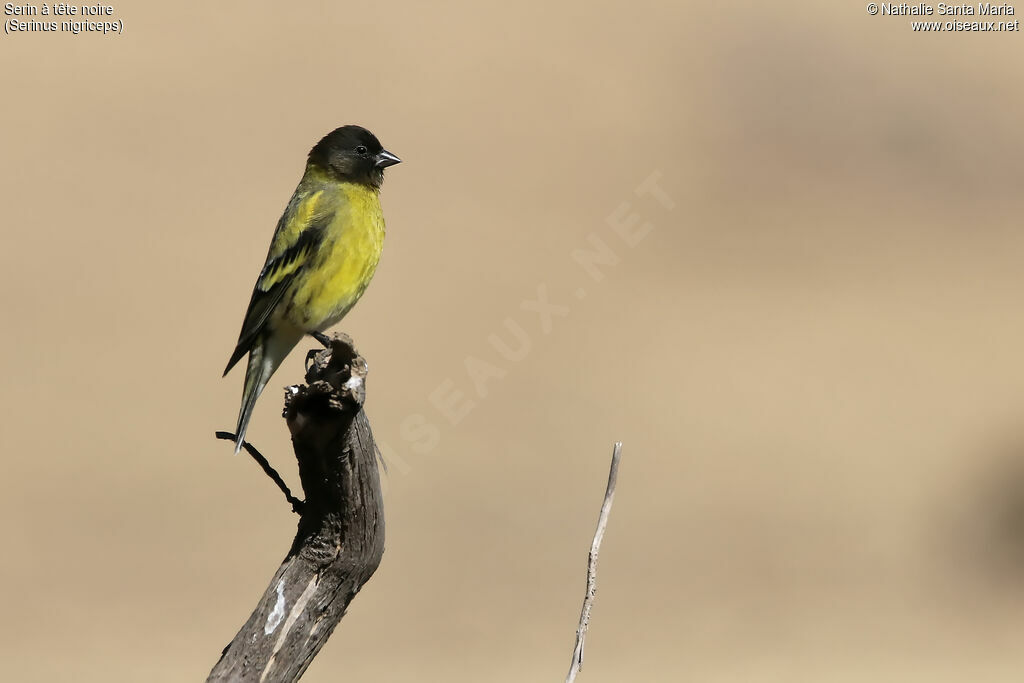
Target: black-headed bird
x,y
322,256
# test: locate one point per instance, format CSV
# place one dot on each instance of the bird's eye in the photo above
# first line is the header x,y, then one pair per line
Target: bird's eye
x,y
360,150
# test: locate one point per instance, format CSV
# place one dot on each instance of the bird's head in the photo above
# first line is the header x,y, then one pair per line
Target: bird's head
x,y
353,154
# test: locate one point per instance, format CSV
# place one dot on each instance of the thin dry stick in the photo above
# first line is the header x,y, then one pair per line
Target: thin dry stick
x,y
262,461
588,600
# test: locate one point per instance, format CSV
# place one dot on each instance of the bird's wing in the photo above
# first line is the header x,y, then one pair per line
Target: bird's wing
x,y
299,234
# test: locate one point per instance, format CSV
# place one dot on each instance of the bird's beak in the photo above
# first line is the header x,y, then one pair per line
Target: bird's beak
x,y
385,159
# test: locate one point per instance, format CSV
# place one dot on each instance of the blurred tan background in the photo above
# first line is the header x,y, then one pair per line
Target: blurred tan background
x,y
814,358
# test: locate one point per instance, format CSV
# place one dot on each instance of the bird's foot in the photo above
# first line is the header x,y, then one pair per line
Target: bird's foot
x,y
322,338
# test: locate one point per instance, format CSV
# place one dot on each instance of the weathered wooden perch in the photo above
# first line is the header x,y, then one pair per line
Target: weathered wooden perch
x,y
340,539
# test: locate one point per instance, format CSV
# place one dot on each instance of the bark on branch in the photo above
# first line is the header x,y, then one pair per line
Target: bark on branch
x,y
340,538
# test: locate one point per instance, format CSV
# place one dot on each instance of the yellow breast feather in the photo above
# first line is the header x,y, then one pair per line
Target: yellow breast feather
x,y
345,262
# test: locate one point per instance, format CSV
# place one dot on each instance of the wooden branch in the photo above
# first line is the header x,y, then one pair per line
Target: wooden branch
x,y
340,538
588,600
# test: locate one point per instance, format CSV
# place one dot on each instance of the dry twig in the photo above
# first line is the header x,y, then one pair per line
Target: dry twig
x,y
588,600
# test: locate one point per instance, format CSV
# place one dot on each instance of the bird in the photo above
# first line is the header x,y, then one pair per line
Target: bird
x,y
322,257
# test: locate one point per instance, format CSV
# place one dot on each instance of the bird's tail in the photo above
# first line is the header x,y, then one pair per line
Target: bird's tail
x,y
264,358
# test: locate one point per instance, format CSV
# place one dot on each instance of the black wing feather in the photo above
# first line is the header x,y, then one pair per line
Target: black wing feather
x,y
264,301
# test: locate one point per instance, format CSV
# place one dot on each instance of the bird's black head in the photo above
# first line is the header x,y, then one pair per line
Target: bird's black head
x,y
353,154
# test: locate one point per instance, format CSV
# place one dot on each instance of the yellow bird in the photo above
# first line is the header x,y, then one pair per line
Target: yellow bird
x,y
321,259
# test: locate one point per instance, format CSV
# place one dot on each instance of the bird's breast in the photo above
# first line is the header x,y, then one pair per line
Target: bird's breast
x,y
345,262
